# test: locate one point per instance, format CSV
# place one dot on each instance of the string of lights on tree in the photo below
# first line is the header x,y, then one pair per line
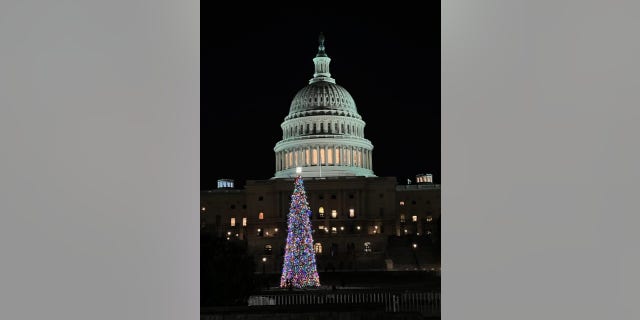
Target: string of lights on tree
x,y
299,267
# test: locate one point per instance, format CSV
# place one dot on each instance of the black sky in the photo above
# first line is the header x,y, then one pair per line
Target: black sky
x,y
252,65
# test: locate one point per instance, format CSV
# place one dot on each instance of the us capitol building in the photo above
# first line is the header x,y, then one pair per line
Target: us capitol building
x,y
360,221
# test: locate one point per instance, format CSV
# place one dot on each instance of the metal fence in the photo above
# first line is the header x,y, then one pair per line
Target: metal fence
x,y
426,303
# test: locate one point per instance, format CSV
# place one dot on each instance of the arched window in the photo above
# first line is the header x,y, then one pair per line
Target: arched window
x,y
261,215
317,247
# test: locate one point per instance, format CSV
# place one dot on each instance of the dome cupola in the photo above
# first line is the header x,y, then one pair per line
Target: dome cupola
x,y
323,132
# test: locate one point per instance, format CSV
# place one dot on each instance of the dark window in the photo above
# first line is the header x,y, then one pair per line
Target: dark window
x,y
321,197
233,206
244,206
413,202
260,198
351,196
381,195
333,196
268,249
381,212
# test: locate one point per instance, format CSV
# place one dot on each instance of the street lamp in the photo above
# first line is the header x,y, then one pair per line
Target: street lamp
x,y
264,262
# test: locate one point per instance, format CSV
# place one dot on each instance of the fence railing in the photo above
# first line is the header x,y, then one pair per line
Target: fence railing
x,y
426,303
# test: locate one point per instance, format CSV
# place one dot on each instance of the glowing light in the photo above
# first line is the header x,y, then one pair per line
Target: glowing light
x,y
334,214
414,218
375,227
298,169
264,259
203,209
415,245
358,227
228,233
299,267
352,213
259,229
276,229
244,222
341,228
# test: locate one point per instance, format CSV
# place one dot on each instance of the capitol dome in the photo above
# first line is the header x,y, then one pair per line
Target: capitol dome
x,y
323,132
323,98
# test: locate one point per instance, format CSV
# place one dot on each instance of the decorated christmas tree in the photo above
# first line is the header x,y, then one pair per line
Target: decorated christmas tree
x,y
299,268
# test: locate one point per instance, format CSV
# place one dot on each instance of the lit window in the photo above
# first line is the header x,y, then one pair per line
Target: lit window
x,y
334,214
317,247
320,227
233,222
402,218
334,230
321,212
414,218
244,222
428,231
429,218
402,203
352,213
367,247
261,215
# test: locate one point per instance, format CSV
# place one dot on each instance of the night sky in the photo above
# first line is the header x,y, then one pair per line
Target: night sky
x,y
253,64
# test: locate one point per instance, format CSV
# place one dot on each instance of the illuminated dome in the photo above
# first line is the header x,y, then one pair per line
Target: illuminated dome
x,y
323,98
323,132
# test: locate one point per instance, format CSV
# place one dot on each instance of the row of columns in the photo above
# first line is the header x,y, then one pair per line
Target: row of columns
x,y
324,127
324,155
